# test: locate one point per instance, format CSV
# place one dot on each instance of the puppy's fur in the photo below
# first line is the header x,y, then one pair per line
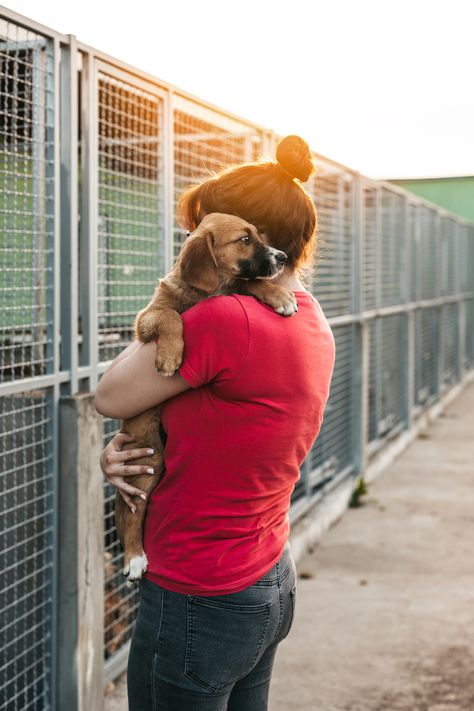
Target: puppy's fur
x,y
224,255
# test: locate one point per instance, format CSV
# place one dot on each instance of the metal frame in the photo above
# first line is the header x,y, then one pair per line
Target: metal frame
x,y
74,363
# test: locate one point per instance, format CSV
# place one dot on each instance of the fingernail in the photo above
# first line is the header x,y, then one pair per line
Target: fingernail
x,y
150,471
142,496
150,451
133,509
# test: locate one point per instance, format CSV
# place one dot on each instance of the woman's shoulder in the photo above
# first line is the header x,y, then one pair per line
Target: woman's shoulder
x,y
221,309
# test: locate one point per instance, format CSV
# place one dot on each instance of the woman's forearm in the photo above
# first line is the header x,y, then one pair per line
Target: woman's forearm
x,y
132,385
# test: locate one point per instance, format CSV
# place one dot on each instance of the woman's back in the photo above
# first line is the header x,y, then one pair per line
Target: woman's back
x,y
218,519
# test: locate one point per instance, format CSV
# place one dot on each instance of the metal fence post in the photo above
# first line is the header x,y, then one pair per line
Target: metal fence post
x,y
69,214
81,556
360,382
441,309
408,323
168,181
458,289
53,333
377,321
88,231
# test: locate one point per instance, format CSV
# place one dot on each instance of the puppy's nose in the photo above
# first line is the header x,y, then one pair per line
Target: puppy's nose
x,y
280,256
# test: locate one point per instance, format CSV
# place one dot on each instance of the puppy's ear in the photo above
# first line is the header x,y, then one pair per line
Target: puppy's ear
x,y
198,265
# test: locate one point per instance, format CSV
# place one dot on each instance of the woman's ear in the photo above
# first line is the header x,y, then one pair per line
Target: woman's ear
x,y
198,266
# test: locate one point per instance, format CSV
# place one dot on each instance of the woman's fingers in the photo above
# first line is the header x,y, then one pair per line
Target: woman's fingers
x,y
127,490
112,459
120,439
128,501
129,470
126,454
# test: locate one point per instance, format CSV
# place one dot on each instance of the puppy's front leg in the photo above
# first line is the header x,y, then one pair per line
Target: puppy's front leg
x,y
161,319
278,297
165,324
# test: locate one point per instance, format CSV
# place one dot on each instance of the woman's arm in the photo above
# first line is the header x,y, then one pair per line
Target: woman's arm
x,y
132,385
132,346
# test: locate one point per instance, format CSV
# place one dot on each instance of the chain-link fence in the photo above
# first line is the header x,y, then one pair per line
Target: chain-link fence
x,y
105,150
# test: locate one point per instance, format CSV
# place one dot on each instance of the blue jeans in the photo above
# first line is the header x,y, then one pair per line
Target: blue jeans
x,y
195,653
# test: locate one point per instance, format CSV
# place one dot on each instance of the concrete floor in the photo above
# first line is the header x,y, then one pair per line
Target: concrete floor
x,y
385,603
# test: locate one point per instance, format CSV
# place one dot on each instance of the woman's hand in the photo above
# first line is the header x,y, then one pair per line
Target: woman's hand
x,y
113,462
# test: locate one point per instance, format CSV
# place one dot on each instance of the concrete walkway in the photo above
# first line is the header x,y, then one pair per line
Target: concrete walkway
x,y
385,603
386,621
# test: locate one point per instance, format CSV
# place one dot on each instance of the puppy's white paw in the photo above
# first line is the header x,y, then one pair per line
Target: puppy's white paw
x,y
135,569
288,308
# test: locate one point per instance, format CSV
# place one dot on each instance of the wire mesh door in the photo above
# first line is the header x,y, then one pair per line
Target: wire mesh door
x,y
27,465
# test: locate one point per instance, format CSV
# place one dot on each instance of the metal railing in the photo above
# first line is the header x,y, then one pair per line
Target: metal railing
x,y
94,154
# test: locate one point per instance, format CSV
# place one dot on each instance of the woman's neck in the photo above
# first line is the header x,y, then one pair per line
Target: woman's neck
x,y
289,279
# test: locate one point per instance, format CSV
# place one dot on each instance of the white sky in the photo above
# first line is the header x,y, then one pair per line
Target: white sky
x,y
383,87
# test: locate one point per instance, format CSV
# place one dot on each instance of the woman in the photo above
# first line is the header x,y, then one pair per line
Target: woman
x,y
240,416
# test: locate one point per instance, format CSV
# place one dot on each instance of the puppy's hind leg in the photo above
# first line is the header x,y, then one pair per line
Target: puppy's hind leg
x,y
129,527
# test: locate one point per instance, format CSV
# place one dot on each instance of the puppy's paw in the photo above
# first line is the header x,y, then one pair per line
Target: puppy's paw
x,y
135,568
168,358
288,308
284,302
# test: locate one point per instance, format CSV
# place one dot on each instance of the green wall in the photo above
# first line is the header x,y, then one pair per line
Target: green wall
x,y
454,194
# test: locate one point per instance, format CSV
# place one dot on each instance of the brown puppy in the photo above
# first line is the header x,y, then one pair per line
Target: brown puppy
x,y
224,255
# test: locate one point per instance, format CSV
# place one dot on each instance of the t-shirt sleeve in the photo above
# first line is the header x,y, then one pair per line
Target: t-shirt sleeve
x,y
216,340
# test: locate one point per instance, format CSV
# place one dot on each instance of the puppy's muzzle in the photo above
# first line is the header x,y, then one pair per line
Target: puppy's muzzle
x,y
277,260
265,263
279,256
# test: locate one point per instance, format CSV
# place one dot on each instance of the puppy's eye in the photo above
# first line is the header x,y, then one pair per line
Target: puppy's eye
x,y
245,239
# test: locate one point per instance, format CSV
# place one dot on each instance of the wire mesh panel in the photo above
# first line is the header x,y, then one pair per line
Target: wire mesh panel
x,y
26,502
206,141
332,192
469,334
450,346
26,188
392,264
130,207
466,257
332,451
428,256
27,76
426,355
369,241
414,238
448,256
386,376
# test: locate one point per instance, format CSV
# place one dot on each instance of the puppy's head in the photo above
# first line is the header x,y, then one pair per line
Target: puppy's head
x,y
225,247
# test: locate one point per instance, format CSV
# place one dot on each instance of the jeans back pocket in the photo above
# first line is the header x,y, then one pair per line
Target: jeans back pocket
x,y
288,613
223,640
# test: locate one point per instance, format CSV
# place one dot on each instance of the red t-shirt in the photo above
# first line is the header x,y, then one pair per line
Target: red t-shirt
x,y
218,519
